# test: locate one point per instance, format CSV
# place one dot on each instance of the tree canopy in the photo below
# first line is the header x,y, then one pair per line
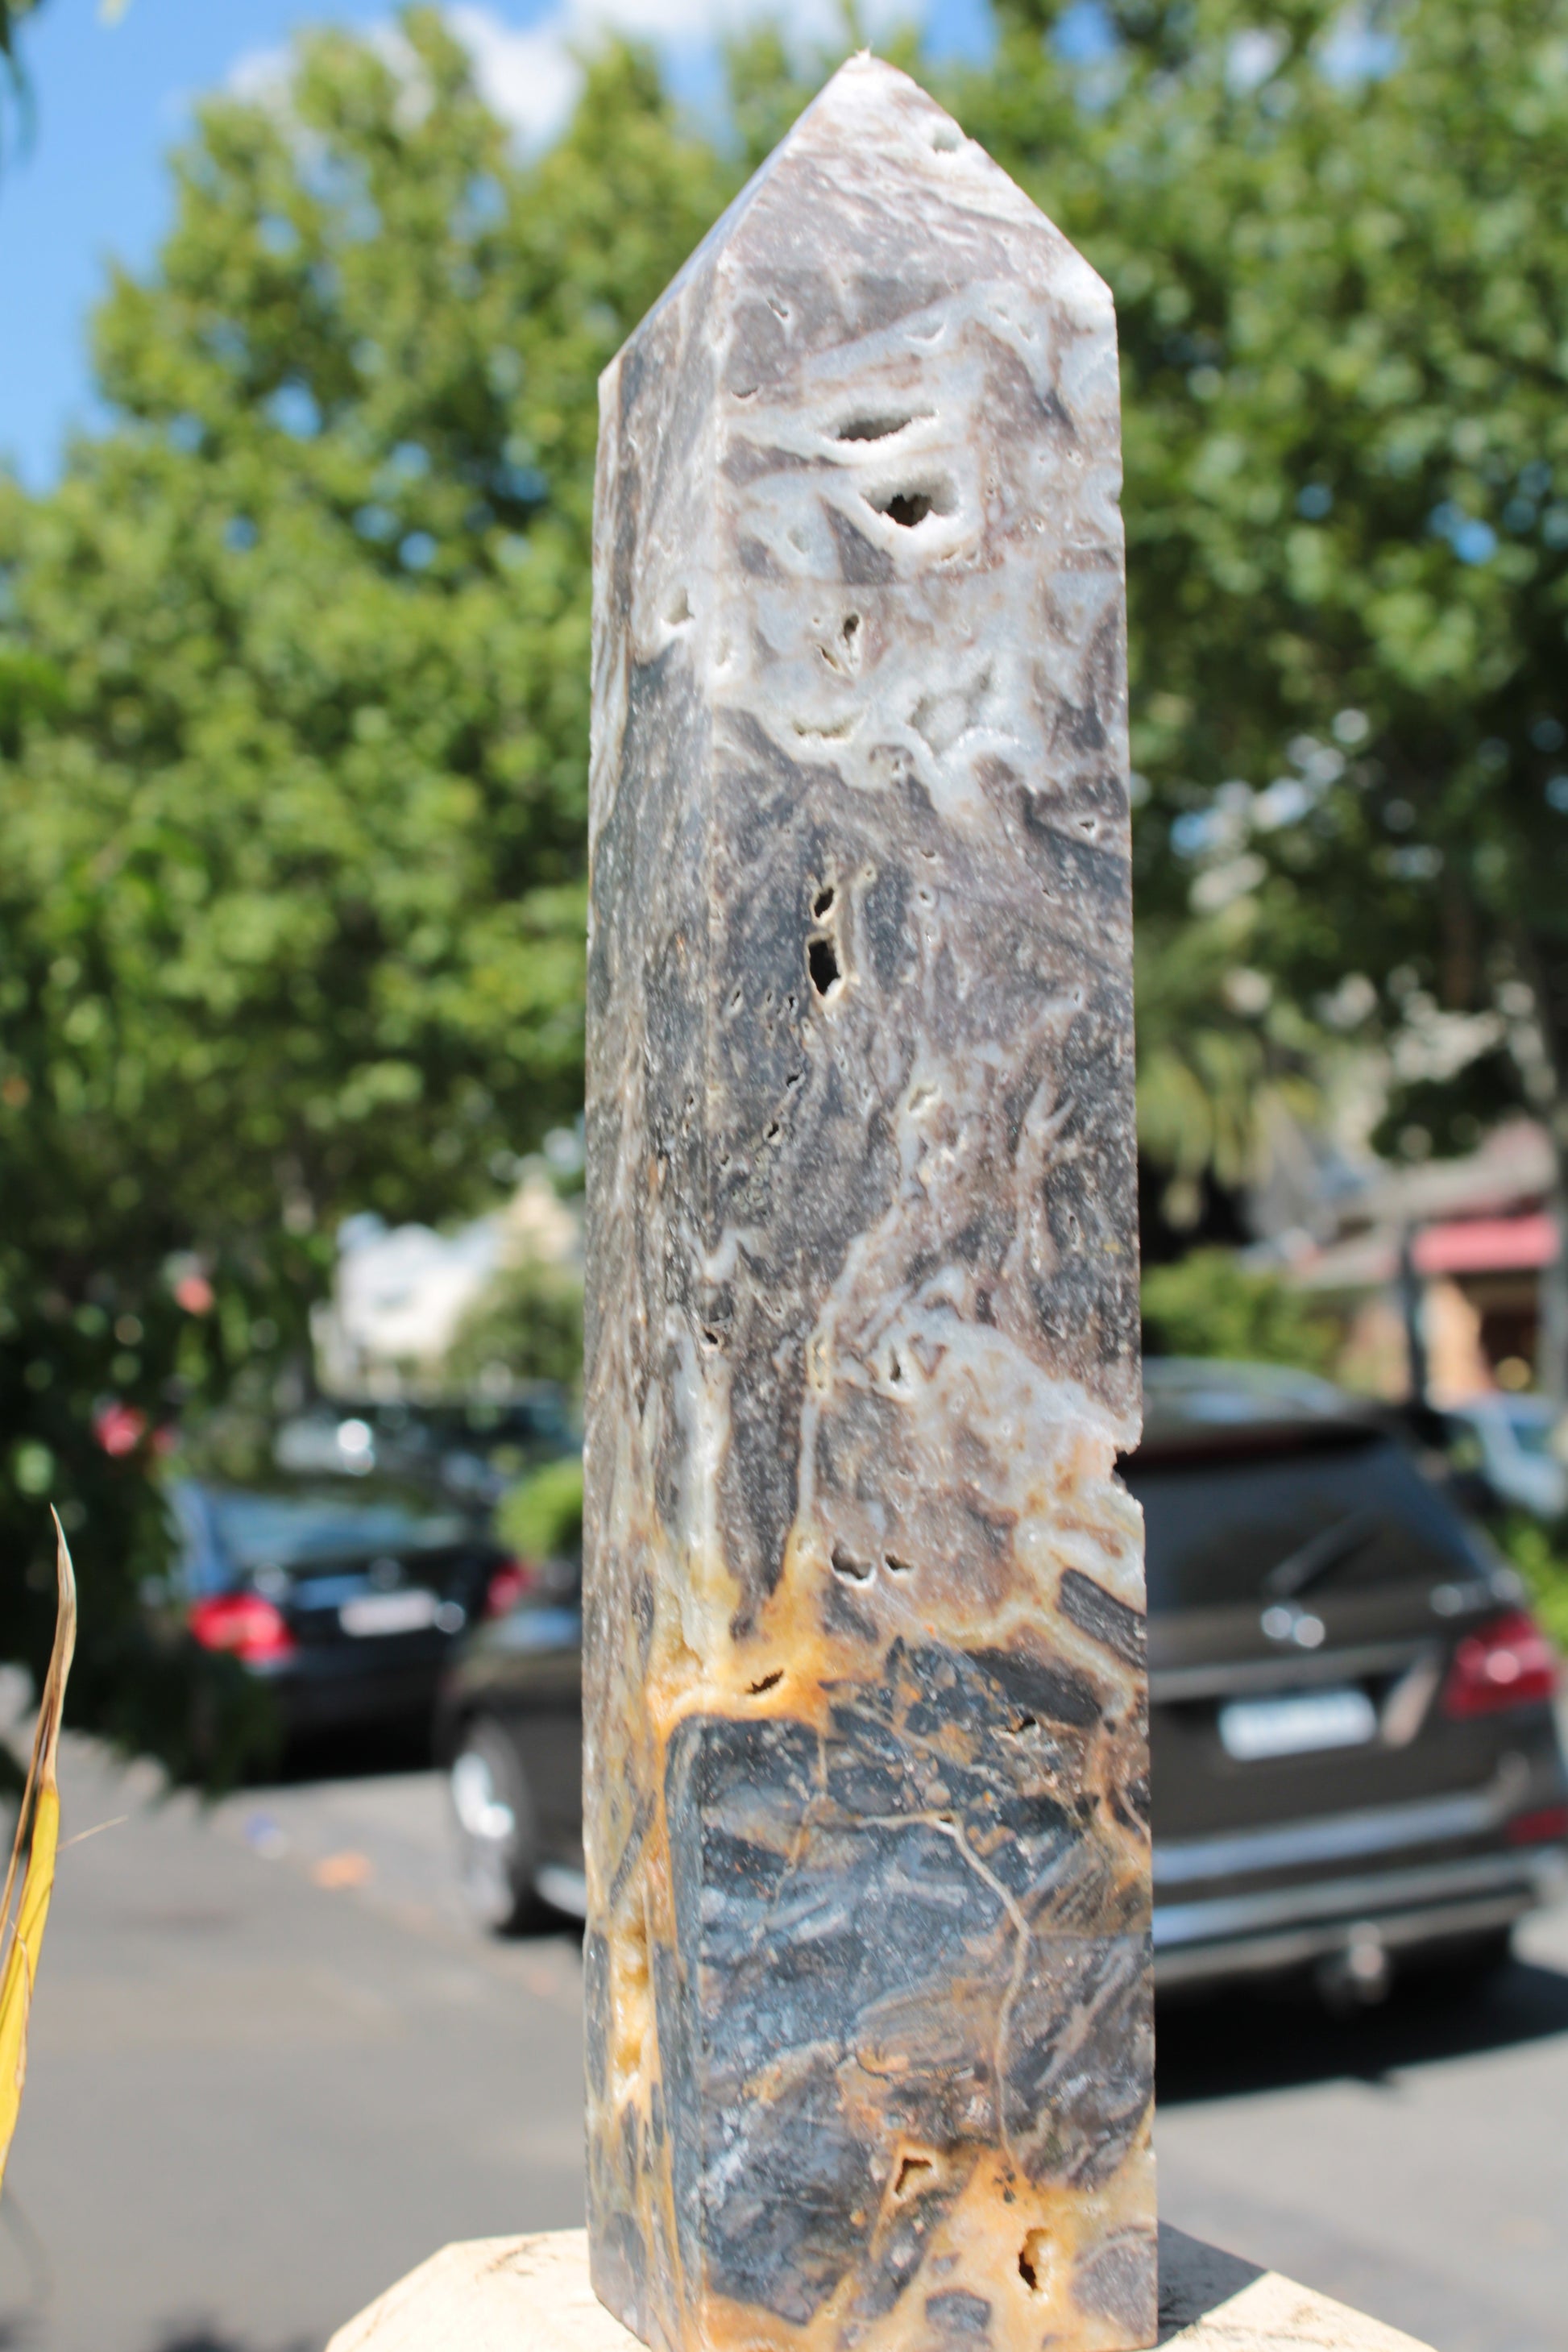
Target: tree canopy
x,y
1339,245
293,707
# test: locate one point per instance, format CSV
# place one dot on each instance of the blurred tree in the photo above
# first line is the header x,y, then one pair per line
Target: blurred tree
x,y
541,1515
1222,1054
1538,1553
293,732
1212,1304
527,1322
1339,244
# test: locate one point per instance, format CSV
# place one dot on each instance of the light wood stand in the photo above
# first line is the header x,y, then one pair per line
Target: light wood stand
x,y
531,2294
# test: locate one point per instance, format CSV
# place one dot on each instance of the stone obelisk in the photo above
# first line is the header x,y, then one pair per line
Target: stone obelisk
x,y
870,2050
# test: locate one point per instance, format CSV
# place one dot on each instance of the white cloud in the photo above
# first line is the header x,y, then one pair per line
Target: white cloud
x,y
262,76
532,75
530,78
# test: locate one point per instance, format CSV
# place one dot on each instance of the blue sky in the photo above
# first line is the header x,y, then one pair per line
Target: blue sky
x,y
110,100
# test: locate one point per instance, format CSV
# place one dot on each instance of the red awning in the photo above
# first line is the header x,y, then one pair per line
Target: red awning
x,y
1487,1246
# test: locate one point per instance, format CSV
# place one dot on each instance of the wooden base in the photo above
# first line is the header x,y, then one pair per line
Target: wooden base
x,y
531,2294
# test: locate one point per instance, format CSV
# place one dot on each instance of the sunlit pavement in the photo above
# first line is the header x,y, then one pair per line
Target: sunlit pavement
x,y
265,2079
1413,2161
273,2067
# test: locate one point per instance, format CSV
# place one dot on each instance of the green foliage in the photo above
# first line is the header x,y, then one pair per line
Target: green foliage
x,y
542,1517
1343,296
1221,1052
528,1322
1208,1304
302,870
1539,1554
293,732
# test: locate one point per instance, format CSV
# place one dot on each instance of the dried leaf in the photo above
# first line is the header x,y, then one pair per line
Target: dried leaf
x,y
24,1934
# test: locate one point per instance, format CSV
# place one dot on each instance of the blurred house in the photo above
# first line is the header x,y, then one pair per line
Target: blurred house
x,y
400,1293
1462,1244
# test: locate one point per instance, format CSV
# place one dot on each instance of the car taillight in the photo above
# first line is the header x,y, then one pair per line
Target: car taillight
x,y
243,1623
1509,1663
1547,1826
507,1586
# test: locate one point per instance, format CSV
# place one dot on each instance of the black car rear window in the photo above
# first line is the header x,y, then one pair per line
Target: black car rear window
x,y
280,1530
1218,1528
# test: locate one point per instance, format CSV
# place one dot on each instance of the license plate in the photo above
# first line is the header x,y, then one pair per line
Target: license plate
x,y
388,1612
1252,1729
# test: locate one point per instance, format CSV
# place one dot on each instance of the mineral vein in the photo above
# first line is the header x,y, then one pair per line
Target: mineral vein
x,y
870,2051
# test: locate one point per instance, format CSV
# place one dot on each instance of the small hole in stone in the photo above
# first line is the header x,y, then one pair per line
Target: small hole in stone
x,y
947,139
872,428
770,1132
845,1564
911,2172
1032,2260
851,628
794,1080
777,308
768,1683
710,1337
823,902
911,506
1025,1723
822,962
898,1567
679,609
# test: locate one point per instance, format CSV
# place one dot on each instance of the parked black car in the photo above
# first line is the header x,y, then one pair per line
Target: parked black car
x,y
1355,1756
345,1593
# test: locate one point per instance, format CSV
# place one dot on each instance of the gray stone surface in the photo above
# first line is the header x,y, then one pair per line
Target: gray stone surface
x,y
869,2056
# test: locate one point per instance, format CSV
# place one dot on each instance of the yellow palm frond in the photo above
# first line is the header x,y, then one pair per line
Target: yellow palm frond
x,y
24,1933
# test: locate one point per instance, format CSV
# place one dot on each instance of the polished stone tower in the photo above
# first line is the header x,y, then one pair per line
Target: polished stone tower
x,y
869,2053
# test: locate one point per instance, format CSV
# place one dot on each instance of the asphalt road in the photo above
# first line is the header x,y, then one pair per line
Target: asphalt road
x,y
272,2068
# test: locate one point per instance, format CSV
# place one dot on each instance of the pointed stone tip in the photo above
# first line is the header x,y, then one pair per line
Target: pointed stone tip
x,y
870,128
863,74
884,111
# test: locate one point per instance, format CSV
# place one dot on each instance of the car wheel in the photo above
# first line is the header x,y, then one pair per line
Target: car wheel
x,y
496,1838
